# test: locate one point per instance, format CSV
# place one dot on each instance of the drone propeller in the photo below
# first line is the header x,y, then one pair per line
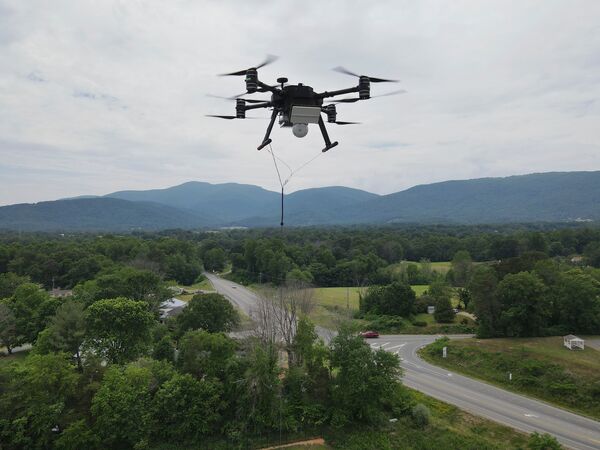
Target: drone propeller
x,y
269,60
248,100
345,123
231,117
371,79
353,100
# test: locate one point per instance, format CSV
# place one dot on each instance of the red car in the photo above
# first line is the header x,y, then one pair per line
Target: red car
x,y
369,334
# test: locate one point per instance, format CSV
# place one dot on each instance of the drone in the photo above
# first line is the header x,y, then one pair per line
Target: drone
x,y
298,105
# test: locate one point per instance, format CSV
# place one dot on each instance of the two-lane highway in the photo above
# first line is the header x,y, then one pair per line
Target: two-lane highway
x,y
482,399
474,396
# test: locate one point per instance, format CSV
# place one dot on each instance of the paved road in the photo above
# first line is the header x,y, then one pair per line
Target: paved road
x,y
246,300
487,401
476,397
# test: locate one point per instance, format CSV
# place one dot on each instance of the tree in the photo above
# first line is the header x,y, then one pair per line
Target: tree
x,y
214,259
66,331
121,405
185,272
203,354
577,299
259,403
279,311
38,398
9,282
8,327
32,307
164,350
462,265
441,294
210,312
525,310
185,408
485,304
365,383
395,299
119,329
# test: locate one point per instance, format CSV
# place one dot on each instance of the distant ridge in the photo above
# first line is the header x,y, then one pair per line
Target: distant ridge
x,y
96,214
540,197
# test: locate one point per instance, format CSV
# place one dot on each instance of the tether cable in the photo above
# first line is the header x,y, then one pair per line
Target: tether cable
x,y
292,173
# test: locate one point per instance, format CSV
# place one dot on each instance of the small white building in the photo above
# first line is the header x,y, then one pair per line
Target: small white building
x,y
430,309
171,307
572,341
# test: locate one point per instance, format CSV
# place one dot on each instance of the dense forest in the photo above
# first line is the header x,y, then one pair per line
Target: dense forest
x,y
104,370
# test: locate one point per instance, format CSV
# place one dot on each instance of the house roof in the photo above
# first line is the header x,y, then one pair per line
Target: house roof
x,y
572,337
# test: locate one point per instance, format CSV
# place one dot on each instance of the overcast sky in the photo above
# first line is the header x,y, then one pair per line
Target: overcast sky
x,y
98,96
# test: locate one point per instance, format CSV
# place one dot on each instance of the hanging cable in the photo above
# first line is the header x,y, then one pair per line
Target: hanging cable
x,y
292,173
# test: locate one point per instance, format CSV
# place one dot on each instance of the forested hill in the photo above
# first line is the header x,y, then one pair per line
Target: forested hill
x,y
545,197
96,214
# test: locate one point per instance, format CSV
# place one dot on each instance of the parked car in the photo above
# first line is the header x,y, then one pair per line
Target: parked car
x,y
369,334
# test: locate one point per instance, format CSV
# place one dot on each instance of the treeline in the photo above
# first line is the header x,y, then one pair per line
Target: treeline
x,y
350,257
534,295
65,262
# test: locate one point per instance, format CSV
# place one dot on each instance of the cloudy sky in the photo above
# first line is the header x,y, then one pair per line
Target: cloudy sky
x,y
98,96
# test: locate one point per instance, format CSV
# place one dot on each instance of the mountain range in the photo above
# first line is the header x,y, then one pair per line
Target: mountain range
x,y
541,197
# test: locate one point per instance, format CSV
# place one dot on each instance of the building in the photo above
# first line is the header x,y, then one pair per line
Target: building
x,y
572,342
171,308
60,293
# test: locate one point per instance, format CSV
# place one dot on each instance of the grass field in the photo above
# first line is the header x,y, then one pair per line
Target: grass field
x,y
442,266
205,285
540,367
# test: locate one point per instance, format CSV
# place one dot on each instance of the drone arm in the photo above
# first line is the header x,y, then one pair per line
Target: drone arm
x,y
267,140
327,94
328,144
258,105
266,87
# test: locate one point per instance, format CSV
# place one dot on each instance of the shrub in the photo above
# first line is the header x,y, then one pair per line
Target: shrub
x,y
543,442
419,323
420,415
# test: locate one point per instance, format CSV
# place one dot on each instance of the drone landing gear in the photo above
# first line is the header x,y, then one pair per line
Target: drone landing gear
x,y
328,144
267,140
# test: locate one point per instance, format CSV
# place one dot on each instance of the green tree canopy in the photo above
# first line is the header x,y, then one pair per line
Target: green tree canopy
x,y
525,308
119,329
210,312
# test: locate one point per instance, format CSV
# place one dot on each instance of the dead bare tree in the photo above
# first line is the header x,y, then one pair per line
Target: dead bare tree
x,y
279,309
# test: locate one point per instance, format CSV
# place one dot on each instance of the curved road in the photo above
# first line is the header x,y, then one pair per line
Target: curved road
x,y
474,396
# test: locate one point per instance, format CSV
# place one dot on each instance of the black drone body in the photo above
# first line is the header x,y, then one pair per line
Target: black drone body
x,y
298,105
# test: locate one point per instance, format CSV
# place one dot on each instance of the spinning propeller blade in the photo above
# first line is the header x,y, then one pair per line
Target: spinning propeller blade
x,y
267,61
337,122
248,100
353,100
371,79
221,117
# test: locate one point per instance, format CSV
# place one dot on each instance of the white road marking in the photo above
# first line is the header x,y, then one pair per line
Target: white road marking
x,y
383,345
396,346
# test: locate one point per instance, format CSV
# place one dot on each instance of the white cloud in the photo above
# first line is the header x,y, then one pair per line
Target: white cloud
x,y
102,96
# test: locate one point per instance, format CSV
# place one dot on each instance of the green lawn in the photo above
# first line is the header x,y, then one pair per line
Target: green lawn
x,y
441,266
204,285
343,297
449,429
540,367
